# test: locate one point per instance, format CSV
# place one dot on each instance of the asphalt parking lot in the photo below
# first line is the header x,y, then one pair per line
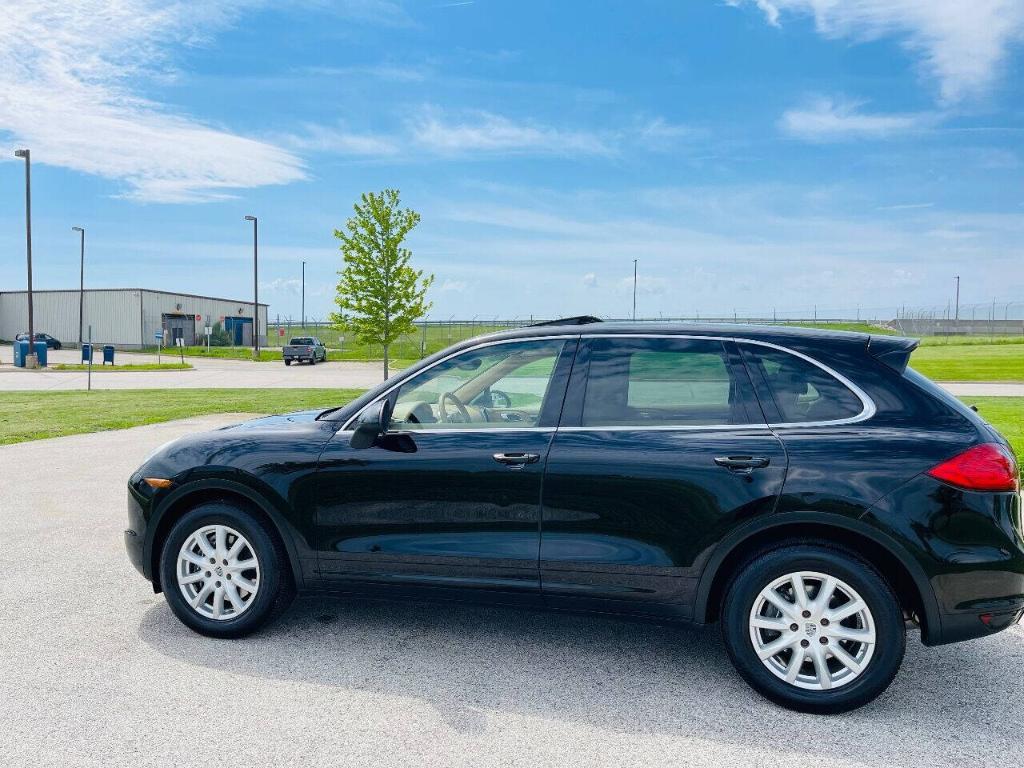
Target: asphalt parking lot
x,y
212,373
95,671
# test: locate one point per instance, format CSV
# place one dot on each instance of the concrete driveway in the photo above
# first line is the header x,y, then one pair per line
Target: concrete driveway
x,y
206,373
95,671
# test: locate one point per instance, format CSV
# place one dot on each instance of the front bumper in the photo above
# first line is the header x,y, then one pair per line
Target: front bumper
x,y
135,534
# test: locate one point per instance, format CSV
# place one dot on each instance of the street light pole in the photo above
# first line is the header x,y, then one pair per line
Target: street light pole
x,y
255,287
634,289
81,281
303,297
30,361
957,315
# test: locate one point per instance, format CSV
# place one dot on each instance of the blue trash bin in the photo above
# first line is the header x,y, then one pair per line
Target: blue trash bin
x,y
87,353
108,354
41,353
20,353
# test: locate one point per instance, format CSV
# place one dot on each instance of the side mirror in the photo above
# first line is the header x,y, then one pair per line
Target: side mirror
x,y
371,424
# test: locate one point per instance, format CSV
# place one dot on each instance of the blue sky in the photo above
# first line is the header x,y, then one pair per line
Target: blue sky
x,y
752,154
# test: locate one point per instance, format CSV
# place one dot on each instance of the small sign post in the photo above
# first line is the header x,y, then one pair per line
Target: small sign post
x,y
159,336
180,341
89,377
208,330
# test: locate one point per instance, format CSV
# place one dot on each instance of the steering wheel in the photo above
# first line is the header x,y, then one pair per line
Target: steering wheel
x,y
459,405
496,395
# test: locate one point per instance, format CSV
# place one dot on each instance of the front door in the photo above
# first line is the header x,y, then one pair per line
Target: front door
x,y
450,496
662,447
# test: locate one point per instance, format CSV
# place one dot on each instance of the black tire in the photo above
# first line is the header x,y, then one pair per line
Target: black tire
x,y
287,362
275,591
312,360
819,557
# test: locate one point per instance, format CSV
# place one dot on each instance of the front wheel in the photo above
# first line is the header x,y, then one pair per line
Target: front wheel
x,y
223,572
813,628
287,362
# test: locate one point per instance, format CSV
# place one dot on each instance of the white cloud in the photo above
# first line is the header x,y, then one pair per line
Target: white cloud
x,y
649,286
338,140
961,43
490,133
830,120
66,71
590,280
458,286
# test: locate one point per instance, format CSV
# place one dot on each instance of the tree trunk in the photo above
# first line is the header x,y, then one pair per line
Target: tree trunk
x,y
385,362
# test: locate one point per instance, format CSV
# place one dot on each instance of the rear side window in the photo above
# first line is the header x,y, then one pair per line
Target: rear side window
x,y
802,391
660,382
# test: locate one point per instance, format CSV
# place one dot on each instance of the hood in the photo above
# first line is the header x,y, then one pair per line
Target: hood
x,y
280,421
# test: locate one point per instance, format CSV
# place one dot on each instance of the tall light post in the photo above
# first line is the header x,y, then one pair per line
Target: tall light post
x,y
255,287
303,297
81,281
30,361
956,316
634,289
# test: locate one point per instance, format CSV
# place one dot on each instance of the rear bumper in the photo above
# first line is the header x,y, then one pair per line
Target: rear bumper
x,y
970,548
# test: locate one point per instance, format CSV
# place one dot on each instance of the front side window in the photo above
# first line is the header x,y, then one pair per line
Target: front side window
x,y
502,385
661,382
803,392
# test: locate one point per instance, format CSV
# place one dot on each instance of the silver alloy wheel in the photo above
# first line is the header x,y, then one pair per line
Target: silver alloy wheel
x,y
218,572
812,630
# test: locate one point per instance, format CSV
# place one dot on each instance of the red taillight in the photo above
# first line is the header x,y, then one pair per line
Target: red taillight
x,y
986,467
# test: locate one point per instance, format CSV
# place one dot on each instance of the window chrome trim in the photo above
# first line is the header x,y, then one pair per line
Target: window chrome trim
x,y
868,406
482,345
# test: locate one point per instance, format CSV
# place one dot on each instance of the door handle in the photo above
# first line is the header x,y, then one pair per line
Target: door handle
x,y
516,459
743,465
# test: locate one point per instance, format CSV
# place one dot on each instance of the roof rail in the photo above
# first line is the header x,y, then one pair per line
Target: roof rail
x,y
578,320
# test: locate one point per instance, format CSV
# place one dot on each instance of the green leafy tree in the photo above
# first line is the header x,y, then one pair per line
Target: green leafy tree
x,y
380,296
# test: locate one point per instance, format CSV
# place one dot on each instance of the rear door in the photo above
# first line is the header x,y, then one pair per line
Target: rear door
x,y
661,449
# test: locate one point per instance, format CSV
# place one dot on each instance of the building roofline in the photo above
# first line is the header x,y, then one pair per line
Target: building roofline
x,y
137,290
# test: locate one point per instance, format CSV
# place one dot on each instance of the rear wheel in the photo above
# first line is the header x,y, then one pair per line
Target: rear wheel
x,y
223,573
287,362
813,628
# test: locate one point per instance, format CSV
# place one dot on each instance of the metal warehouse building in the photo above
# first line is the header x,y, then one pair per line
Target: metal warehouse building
x,y
128,317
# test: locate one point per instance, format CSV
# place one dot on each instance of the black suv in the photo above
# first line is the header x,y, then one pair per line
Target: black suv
x,y
804,488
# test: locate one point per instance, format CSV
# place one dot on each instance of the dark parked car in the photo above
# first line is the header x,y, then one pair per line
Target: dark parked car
x,y
804,488
51,342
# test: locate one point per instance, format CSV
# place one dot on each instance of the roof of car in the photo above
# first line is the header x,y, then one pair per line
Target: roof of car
x,y
731,330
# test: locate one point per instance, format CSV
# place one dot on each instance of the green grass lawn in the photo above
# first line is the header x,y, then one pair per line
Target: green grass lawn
x,y
127,367
1005,414
36,415
970,362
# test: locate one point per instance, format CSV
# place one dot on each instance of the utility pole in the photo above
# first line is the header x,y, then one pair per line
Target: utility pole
x,y
956,317
303,297
81,281
634,290
255,288
30,359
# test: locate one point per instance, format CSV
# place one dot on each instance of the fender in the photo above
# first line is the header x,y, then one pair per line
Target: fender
x,y
203,485
736,539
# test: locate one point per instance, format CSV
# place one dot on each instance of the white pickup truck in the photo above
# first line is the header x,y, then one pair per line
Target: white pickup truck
x,y
302,348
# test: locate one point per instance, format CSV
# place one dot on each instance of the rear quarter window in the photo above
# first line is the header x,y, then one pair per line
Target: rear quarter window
x,y
803,392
